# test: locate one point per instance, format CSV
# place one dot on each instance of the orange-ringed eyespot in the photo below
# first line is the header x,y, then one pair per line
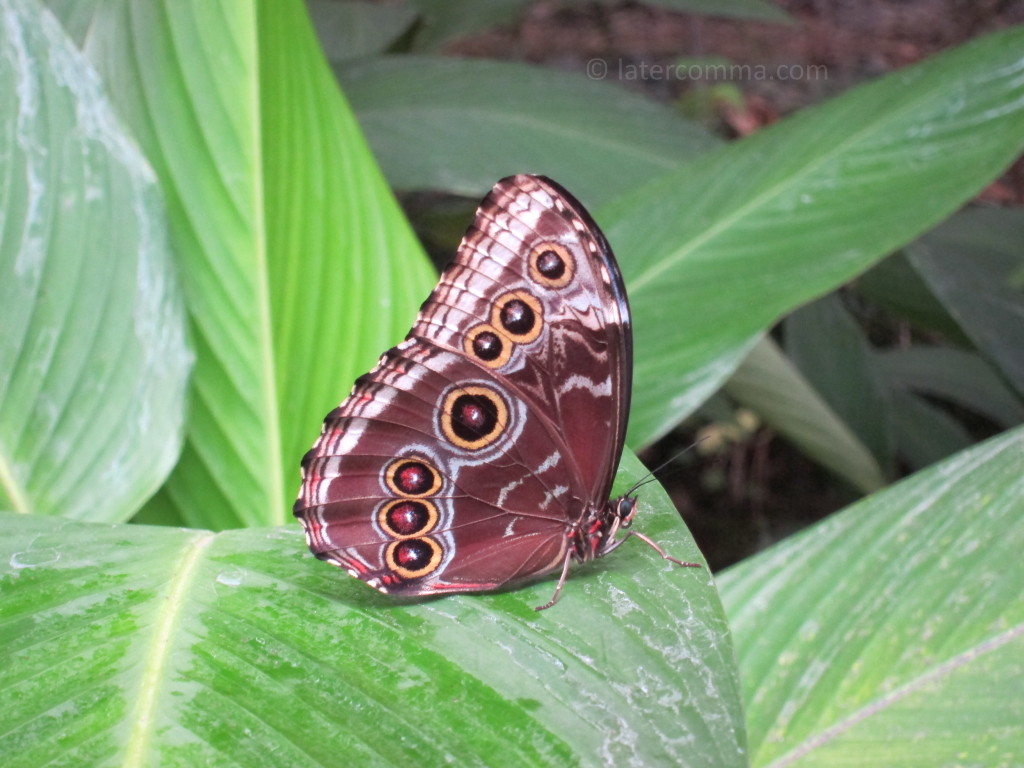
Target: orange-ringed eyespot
x,y
473,417
412,477
484,343
404,518
413,558
520,315
551,265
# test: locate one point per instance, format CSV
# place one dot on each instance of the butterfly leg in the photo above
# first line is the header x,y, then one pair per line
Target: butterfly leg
x,y
657,549
561,583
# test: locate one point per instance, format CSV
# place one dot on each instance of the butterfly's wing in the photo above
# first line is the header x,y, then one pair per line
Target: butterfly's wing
x,y
463,459
531,236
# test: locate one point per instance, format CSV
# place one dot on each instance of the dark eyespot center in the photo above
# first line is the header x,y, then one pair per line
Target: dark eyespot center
x,y
487,345
518,317
413,554
474,416
408,518
551,265
413,478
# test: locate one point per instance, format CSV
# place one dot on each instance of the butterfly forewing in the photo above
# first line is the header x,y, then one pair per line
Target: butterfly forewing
x,y
530,236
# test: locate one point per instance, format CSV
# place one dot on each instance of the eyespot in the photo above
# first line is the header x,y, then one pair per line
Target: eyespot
x,y
519,315
487,345
473,417
412,477
551,265
405,518
413,558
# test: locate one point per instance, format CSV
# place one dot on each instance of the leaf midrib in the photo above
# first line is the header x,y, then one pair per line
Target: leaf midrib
x,y
170,608
915,102
889,699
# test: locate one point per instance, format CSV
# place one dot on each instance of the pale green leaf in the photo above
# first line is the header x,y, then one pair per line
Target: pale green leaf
x,y
442,21
154,646
892,633
298,266
894,285
923,432
93,359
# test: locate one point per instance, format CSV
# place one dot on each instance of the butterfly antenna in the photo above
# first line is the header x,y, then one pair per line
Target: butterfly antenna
x,y
650,476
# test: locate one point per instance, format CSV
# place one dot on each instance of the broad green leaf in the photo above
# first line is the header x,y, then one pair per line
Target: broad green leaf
x,y
969,271
894,285
715,252
298,266
346,273
348,30
769,384
960,377
827,345
154,646
892,633
462,124
93,359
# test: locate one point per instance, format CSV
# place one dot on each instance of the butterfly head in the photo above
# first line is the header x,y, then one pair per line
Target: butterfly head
x,y
625,510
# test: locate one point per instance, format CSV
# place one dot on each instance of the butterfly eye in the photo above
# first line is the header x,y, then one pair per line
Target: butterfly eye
x,y
626,511
551,265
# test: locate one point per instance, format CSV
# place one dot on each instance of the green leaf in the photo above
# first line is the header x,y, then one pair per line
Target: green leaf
x,y
715,252
968,267
960,377
895,285
768,383
93,359
891,634
924,433
352,29
831,352
147,646
298,265
345,271
442,21
462,124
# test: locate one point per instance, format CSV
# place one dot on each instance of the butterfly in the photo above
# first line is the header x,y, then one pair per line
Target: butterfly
x,y
481,450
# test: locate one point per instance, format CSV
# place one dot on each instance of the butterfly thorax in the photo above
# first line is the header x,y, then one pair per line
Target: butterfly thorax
x,y
594,535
